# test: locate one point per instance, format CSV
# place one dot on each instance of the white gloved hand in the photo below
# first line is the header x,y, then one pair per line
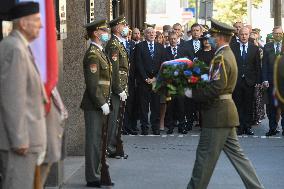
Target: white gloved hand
x,y
266,84
188,92
105,109
123,96
40,158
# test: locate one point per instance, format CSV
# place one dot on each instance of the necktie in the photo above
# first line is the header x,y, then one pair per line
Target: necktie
x,y
195,46
278,48
151,49
127,46
174,52
244,53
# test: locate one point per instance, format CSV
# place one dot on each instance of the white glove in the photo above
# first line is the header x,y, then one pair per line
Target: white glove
x,y
188,92
266,84
40,158
105,109
123,96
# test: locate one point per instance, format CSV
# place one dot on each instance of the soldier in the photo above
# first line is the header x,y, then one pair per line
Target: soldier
x,y
220,116
279,85
119,59
95,103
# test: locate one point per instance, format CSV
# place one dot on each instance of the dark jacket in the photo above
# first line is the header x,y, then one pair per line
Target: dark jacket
x,y
268,60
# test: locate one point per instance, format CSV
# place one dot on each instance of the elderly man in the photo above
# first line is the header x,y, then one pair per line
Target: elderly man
x,y
220,116
148,58
22,97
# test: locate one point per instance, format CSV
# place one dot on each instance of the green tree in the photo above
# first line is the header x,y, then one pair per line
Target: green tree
x,y
233,10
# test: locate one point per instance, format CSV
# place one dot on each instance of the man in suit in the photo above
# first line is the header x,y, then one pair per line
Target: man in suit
x,y
177,28
249,74
270,52
136,36
96,99
22,98
175,105
235,39
148,58
220,116
194,44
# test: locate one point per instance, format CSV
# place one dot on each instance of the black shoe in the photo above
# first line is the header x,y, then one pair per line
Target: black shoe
x,y
132,132
135,128
96,184
144,132
111,184
249,131
182,130
240,131
156,132
124,132
271,132
188,126
170,131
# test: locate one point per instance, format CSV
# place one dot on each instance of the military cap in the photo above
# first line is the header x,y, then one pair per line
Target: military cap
x,y
220,27
146,25
96,25
116,21
24,9
256,30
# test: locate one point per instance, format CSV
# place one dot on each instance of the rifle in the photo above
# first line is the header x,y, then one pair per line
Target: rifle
x,y
105,177
119,147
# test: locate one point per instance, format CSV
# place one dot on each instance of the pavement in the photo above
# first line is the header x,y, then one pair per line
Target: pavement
x,y
166,162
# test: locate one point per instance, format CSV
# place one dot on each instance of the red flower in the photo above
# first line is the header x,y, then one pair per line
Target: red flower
x,y
193,79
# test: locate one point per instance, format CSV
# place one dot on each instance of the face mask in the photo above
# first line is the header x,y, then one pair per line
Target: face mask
x,y
124,32
212,42
104,37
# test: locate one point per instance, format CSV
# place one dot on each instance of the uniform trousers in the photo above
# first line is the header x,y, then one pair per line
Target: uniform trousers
x,y
112,124
212,141
17,171
94,121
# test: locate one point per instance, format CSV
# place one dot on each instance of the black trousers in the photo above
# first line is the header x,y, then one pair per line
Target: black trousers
x,y
243,97
147,98
175,111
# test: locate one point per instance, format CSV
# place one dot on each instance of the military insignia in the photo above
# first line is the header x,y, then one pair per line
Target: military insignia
x,y
93,68
114,56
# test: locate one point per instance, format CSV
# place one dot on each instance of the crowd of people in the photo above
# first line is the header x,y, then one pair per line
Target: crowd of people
x,y
254,90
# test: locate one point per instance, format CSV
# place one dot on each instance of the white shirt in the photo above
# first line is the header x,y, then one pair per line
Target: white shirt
x,y
99,46
241,47
275,46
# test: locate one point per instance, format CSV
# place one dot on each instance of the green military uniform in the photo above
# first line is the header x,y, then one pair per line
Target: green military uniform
x,y
279,81
97,73
219,119
119,59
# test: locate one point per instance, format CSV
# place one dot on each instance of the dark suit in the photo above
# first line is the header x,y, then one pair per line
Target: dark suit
x,y
234,41
148,67
268,61
248,76
175,107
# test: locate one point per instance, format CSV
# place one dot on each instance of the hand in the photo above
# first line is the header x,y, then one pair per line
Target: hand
x,y
148,80
188,92
266,84
105,109
123,96
22,150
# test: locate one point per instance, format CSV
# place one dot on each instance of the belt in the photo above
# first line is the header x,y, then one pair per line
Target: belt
x,y
122,72
225,97
104,82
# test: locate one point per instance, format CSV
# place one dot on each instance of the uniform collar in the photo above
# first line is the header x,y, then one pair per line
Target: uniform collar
x,y
99,46
220,48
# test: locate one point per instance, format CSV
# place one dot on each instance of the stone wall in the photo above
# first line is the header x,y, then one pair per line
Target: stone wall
x,y
74,48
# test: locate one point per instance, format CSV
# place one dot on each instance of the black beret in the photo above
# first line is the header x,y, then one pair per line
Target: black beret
x,y
116,21
220,27
24,9
96,25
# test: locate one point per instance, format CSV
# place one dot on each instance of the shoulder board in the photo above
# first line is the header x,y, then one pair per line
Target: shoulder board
x,y
218,59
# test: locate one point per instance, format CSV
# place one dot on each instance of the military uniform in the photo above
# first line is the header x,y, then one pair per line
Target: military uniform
x,y
97,73
279,85
219,119
119,60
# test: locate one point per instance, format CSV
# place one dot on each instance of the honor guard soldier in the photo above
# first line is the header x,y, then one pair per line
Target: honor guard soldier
x,y
220,116
96,99
279,85
119,59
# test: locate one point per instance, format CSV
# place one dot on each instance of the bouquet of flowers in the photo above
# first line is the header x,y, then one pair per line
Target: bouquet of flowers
x,y
176,75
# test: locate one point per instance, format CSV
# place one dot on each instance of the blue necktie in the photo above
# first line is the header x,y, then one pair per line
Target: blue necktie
x,y
244,53
278,48
151,49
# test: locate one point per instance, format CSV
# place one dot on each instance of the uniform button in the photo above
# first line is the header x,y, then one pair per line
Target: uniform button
x,y
60,136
